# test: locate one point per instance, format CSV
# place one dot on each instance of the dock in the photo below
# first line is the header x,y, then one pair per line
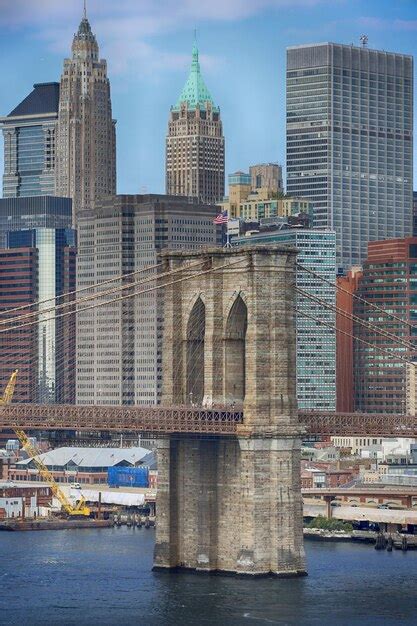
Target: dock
x,y
56,524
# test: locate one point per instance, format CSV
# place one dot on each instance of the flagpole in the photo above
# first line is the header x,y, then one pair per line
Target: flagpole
x,y
228,244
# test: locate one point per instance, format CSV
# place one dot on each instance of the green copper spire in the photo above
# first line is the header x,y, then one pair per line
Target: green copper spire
x,y
195,91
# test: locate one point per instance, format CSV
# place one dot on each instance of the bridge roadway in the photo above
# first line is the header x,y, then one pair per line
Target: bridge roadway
x,y
363,492
221,421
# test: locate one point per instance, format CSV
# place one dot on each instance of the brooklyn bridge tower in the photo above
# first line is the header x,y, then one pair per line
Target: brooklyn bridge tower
x,y
86,141
195,142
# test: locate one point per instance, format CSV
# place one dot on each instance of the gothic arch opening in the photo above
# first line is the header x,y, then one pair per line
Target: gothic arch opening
x,y
196,329
235,352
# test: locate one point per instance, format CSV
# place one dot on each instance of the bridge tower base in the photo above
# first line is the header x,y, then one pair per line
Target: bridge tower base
x,y
230,505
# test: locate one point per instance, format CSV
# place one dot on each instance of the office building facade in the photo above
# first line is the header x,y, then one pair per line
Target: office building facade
x,y
389,281
259,194
119,344
86,135
29,133
33,212
316,342
267,176
38,266
18,347
347,287
350,142
195,144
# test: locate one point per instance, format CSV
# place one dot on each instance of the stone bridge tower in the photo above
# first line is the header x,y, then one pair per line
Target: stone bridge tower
x,y
232,504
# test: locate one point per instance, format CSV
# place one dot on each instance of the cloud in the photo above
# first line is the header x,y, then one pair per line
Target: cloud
x,y
125,28
24,12
378,23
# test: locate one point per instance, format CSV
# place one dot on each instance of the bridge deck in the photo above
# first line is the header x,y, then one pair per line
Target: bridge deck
x,y
351,424
185,419
154,419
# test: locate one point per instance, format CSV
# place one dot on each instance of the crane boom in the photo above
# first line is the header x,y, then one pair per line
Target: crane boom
x,y
80,508
70,509
9,391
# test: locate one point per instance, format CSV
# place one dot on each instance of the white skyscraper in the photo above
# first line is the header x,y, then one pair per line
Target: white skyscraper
x,y
350,142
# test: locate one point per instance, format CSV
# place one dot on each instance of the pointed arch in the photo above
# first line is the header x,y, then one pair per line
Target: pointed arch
x,y
196,329
235,351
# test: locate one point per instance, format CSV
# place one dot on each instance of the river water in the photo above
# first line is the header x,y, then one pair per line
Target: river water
x,y
87,577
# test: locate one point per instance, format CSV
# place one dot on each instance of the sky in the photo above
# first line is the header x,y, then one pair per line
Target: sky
x,y
147,44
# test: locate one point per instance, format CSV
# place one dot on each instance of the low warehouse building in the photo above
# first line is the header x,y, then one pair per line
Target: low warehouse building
x,y
88,466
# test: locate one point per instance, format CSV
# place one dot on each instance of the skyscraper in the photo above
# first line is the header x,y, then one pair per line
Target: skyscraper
x,y
121,342
350,141
86,138
33,212
195,142
18,288
316,343
29,143
389,282
38,266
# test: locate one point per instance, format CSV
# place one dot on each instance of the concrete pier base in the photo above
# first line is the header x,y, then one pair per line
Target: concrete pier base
x,y
231,506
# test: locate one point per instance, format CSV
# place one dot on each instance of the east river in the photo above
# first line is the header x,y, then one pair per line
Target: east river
x,y
104,577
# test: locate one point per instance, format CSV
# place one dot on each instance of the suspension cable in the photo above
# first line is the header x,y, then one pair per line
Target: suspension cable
x,y
372,345
100,294
355,296
357,319
70,293
121,298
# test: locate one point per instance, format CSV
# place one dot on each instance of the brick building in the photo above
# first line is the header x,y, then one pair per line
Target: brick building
x,y
18,288
38,265
347,287
389,281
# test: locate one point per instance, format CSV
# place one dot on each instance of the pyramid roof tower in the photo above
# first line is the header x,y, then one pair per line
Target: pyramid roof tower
x,y
195,92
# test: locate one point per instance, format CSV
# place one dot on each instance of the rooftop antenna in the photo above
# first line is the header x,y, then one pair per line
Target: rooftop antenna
x,y
85,9
364,41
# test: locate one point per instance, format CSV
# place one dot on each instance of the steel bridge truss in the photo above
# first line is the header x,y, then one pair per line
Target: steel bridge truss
x,y
192,420
351,424
150,419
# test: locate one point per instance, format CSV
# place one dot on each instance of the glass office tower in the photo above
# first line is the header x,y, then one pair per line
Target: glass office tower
x,y
350,142
35,212
316,343
29,143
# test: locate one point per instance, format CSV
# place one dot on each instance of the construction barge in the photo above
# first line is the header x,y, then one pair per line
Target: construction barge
x,y
58,524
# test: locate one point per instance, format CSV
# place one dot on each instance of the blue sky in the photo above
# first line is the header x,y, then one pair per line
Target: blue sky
x,y
147,44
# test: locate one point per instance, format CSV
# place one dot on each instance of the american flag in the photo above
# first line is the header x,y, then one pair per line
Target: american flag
x,y
221,218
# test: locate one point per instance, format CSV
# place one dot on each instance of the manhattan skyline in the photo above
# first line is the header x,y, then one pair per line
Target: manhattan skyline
x,y
242,47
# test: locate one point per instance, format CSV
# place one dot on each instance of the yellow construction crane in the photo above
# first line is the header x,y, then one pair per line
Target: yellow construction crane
x,y
79,509
9,391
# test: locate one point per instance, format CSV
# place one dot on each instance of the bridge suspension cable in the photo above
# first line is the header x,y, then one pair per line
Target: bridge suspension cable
x,y
16,354
124,297
79,290
100,294
356,296
358,320
368,343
